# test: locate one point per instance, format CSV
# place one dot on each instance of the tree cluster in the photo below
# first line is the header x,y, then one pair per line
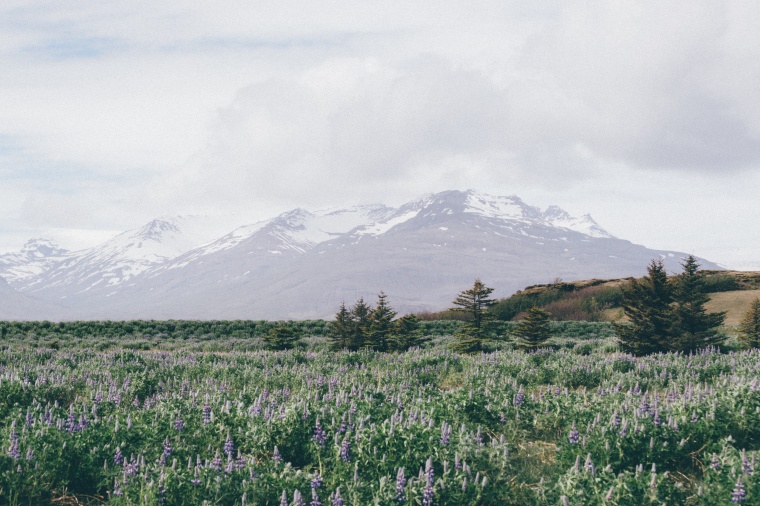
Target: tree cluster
x,y
668,314
363,326
749,328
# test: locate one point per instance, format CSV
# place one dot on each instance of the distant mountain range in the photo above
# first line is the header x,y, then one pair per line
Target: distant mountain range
x,y
303,264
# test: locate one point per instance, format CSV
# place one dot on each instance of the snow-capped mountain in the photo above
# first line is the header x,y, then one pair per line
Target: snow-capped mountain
x,y
303,264
36,257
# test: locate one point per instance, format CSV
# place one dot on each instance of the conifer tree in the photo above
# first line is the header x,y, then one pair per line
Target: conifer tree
x,y
407,333
695,328
281,337
474,303
533,330
361,315
341,330
646,303
749,328
380,324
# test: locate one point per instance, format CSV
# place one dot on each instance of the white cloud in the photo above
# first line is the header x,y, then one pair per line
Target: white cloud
x,y
111,113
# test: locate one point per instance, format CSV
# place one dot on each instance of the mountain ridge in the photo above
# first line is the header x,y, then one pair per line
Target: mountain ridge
x,y
303,264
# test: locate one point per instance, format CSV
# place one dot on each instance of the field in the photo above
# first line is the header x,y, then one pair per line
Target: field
x,y
186,421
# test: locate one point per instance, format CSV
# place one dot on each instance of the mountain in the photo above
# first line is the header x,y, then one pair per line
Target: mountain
x,y
303,264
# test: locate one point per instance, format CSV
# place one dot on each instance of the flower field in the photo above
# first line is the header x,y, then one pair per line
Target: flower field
x,y
94,422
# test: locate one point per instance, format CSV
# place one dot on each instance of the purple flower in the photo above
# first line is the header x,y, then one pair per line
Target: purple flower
x,y
284,499
519,398
13,450
314,498
319,435
574,435
345,450
747,466
196,477
298,499
400,485
337,499
179,423
117,488
206,414
738,495
276,455
229,446
316,481
118,458
445,434
715,463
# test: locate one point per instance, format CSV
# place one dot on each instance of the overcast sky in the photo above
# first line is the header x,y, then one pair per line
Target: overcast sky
x,y
644,114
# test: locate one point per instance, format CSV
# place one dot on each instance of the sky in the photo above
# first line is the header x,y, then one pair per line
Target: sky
x,y
643,114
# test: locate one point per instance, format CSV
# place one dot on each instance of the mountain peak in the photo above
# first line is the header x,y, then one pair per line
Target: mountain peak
x,y
40,248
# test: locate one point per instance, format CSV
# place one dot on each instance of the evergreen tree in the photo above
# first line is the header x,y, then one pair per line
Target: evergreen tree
x,y
695,328
646,303
407,333
749,328
341,330
533,330
361,315
281,337
380,324
474,303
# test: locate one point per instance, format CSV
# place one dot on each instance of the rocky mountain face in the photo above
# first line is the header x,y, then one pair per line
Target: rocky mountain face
x,y
303,264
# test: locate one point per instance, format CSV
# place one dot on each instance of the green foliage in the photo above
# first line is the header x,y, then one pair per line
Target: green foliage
x,y
533,331
646,303
749,328
668,315
474,303
694,327
381,325
507,309
281,337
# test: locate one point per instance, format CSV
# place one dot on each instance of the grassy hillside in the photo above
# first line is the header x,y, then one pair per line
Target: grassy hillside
x,y
599,299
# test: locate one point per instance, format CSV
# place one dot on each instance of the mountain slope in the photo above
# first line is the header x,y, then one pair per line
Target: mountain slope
x,y
303,264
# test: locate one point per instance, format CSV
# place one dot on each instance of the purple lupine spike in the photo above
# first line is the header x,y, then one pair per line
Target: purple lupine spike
x,y
715,462
276,455
738,495
574,436
615,421
519,398
216,464
298,499
117,488
345,450
29,420
13,451
167,448
337,499
400,486
316,481
284,499
445,434
229,446
118,458
319,435
314,498
206,414
196,477
747,466
427,494
179,423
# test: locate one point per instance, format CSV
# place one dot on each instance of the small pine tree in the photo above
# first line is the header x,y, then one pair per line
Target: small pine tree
x,y
380,324
407,333
341,330
474,303
646,303
533,330
281,337
361,315
694,327
749,328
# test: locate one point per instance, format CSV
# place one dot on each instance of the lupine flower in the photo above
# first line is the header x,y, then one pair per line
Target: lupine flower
x,y
319,435
118,458
13,450
715,463
196,477
117,488
298,499
314,498
427,494
229,446
519,398
345,450
400,485
284,499
337,499
276,455
747,466
316,481
574,435
445,434
179,423
216,464
206,414
738,495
